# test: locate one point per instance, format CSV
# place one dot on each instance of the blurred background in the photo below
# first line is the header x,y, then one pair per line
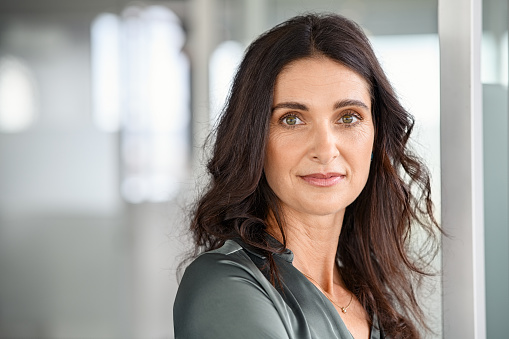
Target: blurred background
x,y
104,107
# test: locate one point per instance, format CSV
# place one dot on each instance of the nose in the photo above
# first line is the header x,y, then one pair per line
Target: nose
x,y
324,145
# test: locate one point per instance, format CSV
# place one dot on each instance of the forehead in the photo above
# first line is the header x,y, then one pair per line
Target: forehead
x,y
309,66
317,75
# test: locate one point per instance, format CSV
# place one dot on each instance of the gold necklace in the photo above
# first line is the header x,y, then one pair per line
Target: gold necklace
x,y
343,309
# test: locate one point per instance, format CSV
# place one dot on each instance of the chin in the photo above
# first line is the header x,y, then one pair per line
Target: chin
x,y
323,209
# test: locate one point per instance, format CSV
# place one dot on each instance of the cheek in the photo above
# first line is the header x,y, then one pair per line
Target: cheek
x,y
273,162
270,166
360,155
279,158
277,152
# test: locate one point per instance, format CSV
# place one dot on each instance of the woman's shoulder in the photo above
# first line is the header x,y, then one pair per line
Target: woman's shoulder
x,y
218,265
218,270
223,292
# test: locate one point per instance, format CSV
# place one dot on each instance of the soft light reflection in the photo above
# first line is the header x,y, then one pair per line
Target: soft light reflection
x,y
412,63
17,95
155,140
105,72
141,87
504,63
223,65
494,59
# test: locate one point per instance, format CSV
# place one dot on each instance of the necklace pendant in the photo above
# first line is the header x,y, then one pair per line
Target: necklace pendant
x,y
343,309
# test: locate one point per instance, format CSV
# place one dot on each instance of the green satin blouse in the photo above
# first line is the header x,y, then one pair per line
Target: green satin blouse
x,y
224,294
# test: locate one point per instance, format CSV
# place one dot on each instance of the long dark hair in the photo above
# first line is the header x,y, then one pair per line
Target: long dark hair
x,y
377,261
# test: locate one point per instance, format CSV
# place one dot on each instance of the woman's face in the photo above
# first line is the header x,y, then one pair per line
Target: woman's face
x,y
321,137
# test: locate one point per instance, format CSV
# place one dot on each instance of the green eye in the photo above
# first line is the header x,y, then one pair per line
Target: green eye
x,y
291,120
347,119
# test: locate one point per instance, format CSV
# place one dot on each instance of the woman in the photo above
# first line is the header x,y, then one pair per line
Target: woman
x,y
313,198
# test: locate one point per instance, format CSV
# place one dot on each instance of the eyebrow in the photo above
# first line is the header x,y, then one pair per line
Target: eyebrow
x,y
337,105
350,102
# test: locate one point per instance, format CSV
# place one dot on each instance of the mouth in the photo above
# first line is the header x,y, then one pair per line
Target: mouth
x,y
323,179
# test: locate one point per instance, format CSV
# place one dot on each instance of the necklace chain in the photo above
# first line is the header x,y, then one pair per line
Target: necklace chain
x,y
343,309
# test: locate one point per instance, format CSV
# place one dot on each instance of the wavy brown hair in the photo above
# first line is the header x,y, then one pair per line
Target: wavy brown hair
x,y
377,261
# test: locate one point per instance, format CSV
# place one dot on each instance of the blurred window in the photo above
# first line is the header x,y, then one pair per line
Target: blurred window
x,y
141,88
222,67
105,72
494,68
412,63
17,95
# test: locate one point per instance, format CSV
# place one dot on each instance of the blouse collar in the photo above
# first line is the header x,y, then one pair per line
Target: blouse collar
x,y
285,255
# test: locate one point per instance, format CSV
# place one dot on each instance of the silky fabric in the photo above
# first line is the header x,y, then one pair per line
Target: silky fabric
x,y
226,293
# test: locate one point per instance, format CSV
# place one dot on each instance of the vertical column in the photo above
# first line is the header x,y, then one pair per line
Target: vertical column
x,y
460,29
201,42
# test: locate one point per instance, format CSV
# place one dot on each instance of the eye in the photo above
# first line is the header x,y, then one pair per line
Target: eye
x,y
291,120
348,119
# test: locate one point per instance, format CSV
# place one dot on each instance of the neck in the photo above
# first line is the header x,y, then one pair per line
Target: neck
x,y
313,241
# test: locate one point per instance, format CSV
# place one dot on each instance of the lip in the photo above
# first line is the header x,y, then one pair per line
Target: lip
x,y
323,179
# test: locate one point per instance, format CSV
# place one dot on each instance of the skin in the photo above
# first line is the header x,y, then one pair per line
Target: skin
x,y
317,163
